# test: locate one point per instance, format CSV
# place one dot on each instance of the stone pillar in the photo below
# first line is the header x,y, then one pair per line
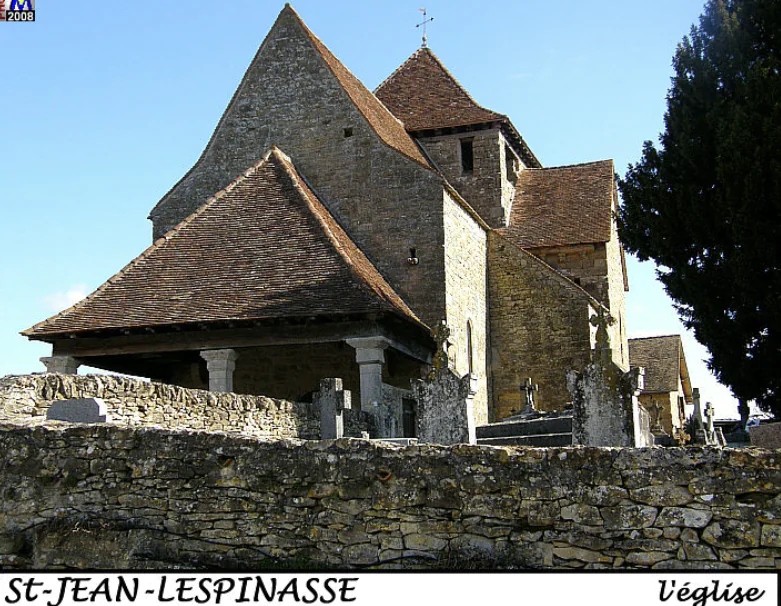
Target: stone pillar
x,y
333,399
221,363
65,365
370,355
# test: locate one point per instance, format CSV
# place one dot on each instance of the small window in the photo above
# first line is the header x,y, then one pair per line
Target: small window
x,y
509,159
348,132
470,361
467,155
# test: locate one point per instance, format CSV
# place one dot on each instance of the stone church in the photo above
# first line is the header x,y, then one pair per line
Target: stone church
x,y
326,229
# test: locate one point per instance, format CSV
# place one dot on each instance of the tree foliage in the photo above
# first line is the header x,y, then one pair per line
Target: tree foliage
x,y
705,204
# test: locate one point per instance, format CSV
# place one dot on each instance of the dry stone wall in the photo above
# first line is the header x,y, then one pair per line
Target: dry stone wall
x,y
102,496
25,399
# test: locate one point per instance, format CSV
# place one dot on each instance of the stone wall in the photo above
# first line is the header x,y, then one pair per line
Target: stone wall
x,y
599,269
107,497
466,277
767,435
539,328
486,188
387,202
25,399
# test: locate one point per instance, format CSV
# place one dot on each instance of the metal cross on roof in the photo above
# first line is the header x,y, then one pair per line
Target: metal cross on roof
x,y
423,23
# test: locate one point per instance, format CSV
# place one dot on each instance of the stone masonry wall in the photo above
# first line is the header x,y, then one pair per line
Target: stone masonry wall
x,y
385,201
539,329
598,269
486,188
25,399
107,497
617,294
466,278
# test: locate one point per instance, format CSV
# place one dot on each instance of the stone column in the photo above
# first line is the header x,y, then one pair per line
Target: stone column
x,y
370,355
221,363
65,365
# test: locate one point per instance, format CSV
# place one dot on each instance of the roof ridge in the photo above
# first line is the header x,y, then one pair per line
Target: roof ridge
x,y
459,85
396,71
559,275
316,208
357,270
325,53
318,44
678,335
426,50
169,235
576,165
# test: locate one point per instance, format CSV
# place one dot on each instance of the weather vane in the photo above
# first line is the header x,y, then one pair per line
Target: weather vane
x,y
426,19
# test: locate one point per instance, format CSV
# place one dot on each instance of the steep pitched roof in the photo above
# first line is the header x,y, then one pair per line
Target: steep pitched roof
x,y
263,247
562,205
664,363
389,129
384,123
424,95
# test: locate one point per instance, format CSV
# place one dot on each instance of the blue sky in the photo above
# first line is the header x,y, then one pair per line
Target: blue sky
x,y
108,104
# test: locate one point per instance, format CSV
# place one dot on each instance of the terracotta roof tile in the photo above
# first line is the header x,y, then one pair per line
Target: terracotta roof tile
x,y
662,358
424,95
384,123
562,205
263,247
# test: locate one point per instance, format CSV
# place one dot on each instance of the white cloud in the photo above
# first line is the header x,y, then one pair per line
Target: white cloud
x,y
62,300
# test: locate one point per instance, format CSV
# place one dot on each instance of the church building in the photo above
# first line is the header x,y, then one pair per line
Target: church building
x,y
326,229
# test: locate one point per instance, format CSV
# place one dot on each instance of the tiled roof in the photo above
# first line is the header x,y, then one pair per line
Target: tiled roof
x,y
384,123
424,95
264,247
562,205
663,360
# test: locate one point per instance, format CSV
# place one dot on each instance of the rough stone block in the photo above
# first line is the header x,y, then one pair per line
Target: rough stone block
x,y
628,516
771,535
766,436
732,534
81,410
684,517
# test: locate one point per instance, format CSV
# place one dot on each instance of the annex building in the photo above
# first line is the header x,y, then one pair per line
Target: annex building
x,y
326,229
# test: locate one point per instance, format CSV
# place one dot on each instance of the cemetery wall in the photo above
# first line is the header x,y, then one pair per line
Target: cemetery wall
x,y
26,398
102,496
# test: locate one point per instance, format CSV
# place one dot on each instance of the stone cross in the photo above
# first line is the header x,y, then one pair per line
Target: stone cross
x,y
439,363
697,409
601,321
528,388
656,411
709,412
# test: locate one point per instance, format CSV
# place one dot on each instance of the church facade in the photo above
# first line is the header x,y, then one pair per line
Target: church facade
x,y
326,229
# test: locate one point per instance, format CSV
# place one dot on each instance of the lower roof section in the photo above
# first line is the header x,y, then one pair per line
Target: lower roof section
x,y
263,248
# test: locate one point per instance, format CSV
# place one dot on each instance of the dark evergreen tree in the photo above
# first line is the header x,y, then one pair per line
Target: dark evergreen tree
x,y
705,204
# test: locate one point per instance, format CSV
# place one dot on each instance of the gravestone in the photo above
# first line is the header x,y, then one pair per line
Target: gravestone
x,y
82,410
333,399
605,406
